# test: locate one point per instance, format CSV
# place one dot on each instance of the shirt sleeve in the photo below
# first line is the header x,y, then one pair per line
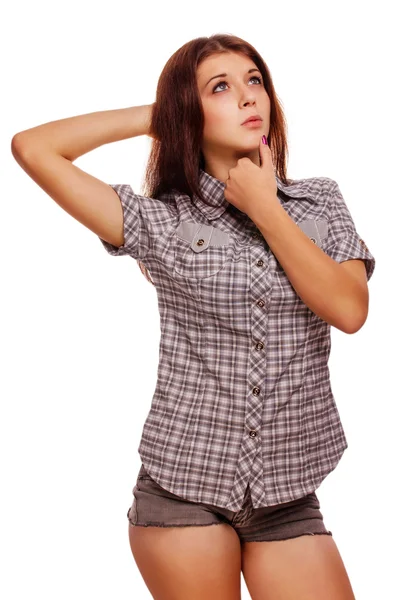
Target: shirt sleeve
x,y
343,241
136,232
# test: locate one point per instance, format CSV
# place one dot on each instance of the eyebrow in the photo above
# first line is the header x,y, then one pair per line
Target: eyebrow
x,y
225,75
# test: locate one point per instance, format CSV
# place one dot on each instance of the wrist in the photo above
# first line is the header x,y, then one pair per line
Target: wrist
x,y
265,211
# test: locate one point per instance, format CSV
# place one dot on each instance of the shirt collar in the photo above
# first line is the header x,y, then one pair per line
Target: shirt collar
x,y
216,203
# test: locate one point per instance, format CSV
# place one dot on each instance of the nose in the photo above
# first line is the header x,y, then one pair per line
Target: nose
x,y
248,99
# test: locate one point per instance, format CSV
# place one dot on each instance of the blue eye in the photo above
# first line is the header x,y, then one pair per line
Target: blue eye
x,y
254,77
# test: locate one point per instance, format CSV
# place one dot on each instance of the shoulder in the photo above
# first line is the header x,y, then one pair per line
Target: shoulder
x,y
160,206
307,192
317,187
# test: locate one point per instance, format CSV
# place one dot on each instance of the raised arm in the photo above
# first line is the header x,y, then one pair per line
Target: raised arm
x,y
46,154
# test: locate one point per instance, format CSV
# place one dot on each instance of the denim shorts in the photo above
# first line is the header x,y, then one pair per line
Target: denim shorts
x,y
155,506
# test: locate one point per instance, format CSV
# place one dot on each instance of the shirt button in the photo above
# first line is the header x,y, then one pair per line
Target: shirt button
x,y
256,391
200,242
261,303
313,240
253,433
260,263
259,345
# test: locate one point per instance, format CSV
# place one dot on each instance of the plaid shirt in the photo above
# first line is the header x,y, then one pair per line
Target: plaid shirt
x,y
243,393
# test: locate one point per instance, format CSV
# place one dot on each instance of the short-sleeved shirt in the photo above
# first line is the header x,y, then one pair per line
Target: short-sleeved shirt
x,y
243,394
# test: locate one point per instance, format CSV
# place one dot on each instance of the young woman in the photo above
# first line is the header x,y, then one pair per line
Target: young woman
x,y
251,271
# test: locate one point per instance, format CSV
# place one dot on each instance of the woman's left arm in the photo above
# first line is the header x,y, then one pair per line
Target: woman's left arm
x,y
331,282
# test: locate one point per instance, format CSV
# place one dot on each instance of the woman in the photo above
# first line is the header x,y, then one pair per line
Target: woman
x,y
251,271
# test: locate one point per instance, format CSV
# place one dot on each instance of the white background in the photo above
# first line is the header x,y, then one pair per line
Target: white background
x,y
80,329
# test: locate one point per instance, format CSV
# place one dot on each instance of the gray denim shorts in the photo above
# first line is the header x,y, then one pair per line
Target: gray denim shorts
x,y
154,506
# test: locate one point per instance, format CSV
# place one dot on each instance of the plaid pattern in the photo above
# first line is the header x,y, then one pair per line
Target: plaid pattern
x,y
243,393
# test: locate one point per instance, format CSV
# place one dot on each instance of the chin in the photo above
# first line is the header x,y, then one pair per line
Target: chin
x,y
247,150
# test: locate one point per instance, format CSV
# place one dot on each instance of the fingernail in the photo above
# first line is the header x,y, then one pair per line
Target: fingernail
x,y
264,140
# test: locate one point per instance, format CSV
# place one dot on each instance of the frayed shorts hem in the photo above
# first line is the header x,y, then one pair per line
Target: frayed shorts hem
x,y
261,539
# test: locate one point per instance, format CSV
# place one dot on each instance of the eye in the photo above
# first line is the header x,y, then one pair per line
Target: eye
x,y
254,77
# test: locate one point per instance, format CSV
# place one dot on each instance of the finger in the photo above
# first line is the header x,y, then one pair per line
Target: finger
x,y
263,149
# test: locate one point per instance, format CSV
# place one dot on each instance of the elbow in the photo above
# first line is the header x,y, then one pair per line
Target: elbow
x,y
19,146
16,145
353,323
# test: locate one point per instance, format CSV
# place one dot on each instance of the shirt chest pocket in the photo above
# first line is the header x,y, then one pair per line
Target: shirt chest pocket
x,y
200,250
284,293
315,229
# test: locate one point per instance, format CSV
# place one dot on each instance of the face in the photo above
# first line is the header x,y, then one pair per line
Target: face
x,y
227,101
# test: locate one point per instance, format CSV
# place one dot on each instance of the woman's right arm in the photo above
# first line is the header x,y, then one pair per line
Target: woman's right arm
x,y
46,154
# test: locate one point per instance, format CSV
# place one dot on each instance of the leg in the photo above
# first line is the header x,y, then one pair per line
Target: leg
x,y
308,567
193,562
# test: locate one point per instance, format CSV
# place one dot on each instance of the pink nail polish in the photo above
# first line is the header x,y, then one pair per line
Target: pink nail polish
x,y
264,140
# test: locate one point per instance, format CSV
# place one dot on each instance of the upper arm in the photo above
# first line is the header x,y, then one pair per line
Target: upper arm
x,y
111,211
343,241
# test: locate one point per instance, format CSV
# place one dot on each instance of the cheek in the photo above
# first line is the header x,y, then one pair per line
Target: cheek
x,y
217,119
266,103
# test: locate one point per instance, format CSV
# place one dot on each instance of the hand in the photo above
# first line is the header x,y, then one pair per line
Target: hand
x,y
249,186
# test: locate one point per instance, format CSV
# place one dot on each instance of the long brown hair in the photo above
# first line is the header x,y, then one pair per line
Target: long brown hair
x,y
177,120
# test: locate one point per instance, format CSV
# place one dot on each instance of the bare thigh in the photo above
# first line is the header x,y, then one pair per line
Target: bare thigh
x,y
308,567
194,562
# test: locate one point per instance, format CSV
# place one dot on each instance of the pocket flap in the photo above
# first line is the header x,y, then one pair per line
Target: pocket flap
x,y
315,229
201,236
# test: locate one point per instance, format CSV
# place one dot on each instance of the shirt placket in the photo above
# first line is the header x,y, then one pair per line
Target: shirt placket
x,y
242,515
259,298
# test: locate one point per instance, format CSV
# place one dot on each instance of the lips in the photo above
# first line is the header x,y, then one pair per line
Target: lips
x,y
252,118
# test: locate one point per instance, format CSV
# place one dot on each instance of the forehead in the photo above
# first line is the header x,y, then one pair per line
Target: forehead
x,y
226,62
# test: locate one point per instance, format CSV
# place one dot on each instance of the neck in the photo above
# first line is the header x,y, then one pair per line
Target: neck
x,y
219,167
